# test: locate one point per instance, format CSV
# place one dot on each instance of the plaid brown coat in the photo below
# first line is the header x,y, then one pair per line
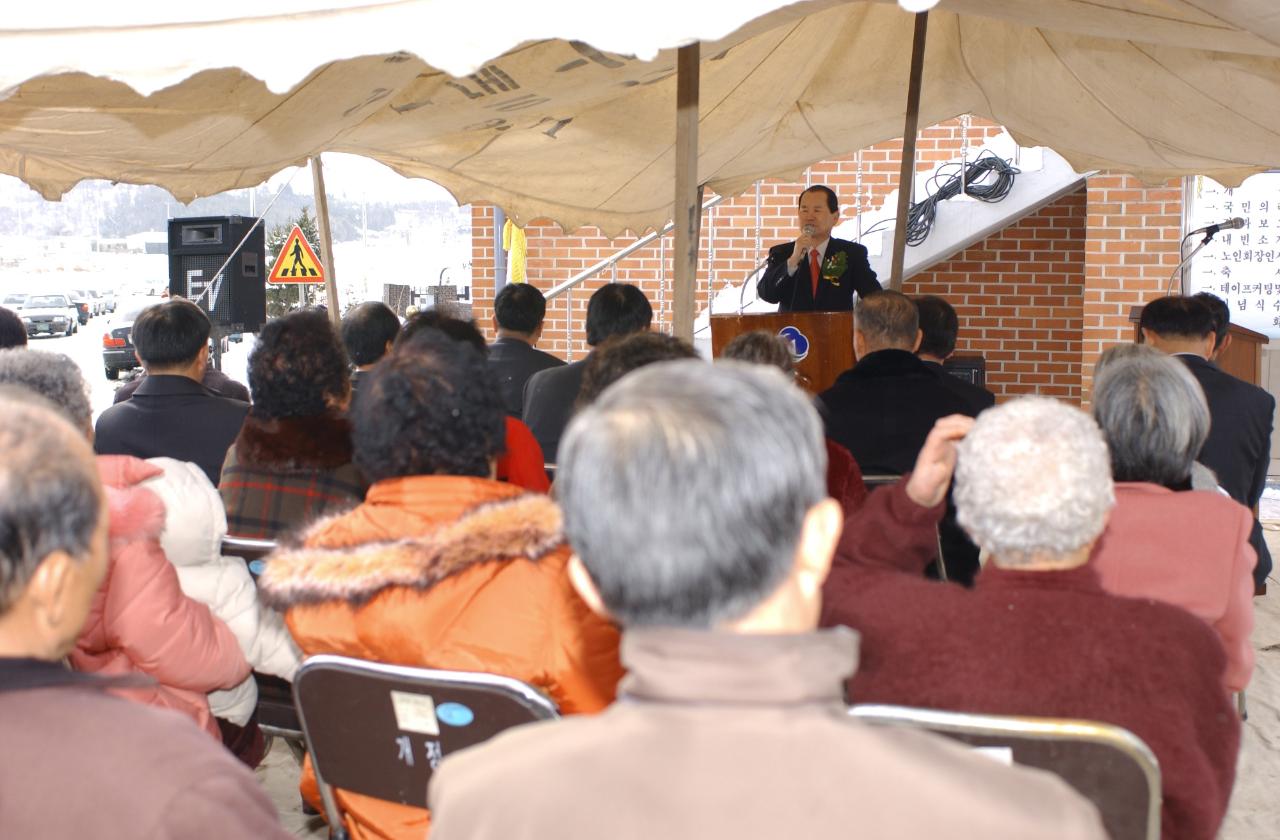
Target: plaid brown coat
x,y
282,474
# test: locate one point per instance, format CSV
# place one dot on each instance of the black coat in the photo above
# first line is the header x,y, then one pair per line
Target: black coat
x,y
173,417
513,361
1238,449
883,408
214,379
549,396
978,399
794,293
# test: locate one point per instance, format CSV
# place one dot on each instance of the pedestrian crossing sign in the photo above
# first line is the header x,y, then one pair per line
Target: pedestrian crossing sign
x,y
297,262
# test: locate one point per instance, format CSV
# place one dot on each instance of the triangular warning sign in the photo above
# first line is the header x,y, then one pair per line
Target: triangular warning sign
x,y
297,262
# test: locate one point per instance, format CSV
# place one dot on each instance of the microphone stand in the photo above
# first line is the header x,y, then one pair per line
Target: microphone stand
x,y
1203,242
742,293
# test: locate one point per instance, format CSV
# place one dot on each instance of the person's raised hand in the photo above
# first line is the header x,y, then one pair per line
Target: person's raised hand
x,y
804,244
927,485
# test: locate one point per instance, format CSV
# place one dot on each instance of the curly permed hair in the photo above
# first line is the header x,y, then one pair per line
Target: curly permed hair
x,y
298,367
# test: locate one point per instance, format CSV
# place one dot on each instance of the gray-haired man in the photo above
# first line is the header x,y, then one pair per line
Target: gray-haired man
x,y
77,761
707,535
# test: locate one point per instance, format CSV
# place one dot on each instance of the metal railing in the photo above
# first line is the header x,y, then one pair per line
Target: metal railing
x,y
611,262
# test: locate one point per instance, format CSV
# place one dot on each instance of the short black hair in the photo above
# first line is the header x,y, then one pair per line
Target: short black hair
x,y
12,331
520,307
1221,316
456,328
938,324
171,333
619,356
366,331
617,309
297,367
430,407
1177,316
833,203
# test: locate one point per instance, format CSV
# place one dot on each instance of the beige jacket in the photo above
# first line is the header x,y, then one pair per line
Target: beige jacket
x,y
734,736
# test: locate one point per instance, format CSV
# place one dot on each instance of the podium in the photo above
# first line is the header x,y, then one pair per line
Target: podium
x,y
824,340
1242,358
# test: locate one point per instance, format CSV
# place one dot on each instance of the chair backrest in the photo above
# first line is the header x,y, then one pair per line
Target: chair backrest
x,y
251,551
1106,764
380,730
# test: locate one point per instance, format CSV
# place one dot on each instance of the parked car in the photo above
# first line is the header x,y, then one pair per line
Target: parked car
x,y
108,300
14,300
117,343
99,302
49,315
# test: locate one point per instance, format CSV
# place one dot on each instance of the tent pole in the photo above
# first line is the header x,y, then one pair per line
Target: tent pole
x,y
906,175
326,241
687,207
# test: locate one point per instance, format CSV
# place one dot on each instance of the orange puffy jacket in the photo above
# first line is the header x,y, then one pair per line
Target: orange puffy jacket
x,y
410,577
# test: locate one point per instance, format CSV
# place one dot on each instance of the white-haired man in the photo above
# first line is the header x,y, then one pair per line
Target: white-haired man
x,y
707,534
1038,635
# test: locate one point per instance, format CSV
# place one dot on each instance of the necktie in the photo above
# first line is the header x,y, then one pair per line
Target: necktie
x,y
813,270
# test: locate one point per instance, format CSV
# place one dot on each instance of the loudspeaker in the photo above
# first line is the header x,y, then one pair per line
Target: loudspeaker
x,y
236,300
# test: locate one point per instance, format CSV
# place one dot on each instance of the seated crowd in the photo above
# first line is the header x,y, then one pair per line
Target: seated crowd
x,y
703,592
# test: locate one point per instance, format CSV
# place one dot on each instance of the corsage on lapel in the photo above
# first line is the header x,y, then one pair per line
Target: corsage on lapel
x,y
833,267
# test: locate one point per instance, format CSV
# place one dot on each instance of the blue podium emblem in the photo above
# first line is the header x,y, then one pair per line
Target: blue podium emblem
x,y
455,714
797,340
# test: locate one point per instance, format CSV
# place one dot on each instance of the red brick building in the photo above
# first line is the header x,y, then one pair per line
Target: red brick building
x,y
1040,299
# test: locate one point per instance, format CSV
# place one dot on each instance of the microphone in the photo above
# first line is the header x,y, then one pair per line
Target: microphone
x,y
1210,230
810,230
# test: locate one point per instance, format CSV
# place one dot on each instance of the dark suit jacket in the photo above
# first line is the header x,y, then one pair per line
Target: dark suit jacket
x,y
215,380
174,417
513,361
794,293
976,397
548,404
882,409
1239,444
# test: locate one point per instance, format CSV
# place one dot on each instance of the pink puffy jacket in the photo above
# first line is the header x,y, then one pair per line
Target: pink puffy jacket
x,y
140,622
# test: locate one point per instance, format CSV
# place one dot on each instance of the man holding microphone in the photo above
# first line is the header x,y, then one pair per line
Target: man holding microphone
x,y
817,272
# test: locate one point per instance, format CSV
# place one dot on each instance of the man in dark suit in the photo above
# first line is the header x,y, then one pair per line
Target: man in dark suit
x,y
816,272
214,379
1238,449
882,408
518,311
616,309
171,414
368,331
939,327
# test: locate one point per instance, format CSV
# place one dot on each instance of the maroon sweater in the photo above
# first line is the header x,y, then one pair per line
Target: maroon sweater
x,y
1049,644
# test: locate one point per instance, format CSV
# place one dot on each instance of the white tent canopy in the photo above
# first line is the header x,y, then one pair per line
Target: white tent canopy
x,y
547,126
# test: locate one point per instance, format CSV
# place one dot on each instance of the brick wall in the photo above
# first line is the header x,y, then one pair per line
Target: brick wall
x,y
1039,299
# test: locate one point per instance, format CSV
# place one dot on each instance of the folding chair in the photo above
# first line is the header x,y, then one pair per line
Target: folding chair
x,y
1106,764
380,730
877,480
277,717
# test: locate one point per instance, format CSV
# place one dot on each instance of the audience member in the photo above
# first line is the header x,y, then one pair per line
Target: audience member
x,y
1238,448
79,762
706,535
939,328
194,526
617,357
291,462
844,477
1165,540
882,409
1221,322
1038,635
520,462
213,379
171,414
13,333
440,566
139,622
368,332
615,309
514,356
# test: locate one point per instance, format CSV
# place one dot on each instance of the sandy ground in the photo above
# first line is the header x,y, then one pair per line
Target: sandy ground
x,y
1255,802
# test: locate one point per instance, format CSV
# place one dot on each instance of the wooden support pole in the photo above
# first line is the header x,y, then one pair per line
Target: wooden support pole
x,y
686,210
906,175
326,241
